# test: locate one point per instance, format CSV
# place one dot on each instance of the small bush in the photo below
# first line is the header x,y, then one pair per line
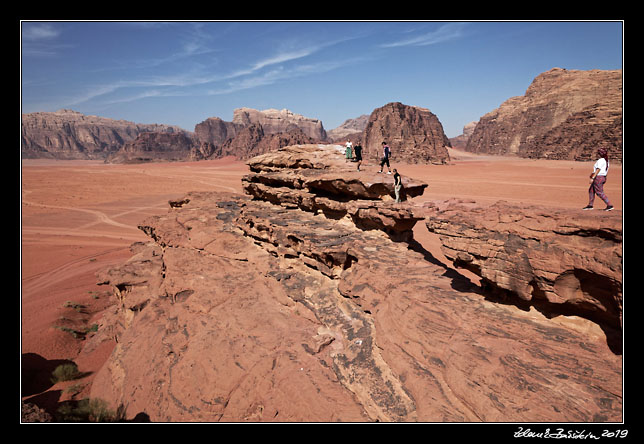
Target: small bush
x,y
89,410
75,333
75,388
65,372
76,306
78,333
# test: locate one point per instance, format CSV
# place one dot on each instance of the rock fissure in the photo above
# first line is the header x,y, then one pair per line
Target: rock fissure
x,y
282,307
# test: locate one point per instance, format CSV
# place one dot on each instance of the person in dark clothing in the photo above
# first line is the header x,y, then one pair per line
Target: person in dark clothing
x,y
386,153
358,154
397,184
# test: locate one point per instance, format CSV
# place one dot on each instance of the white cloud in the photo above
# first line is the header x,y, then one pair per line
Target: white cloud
x,y
284,57
40,39
259,72
281,73
143,95
448,31
39,31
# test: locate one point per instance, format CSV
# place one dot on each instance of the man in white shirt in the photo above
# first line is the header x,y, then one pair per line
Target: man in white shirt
x,y
597,181
348,151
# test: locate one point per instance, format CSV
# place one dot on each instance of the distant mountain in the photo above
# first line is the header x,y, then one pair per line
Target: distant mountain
x,y
278,121
350,126
564,114
460,142
67,134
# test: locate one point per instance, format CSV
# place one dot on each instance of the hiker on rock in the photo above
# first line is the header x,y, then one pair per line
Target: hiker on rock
x,y
597,181
358,151
348,153
386,153
397,184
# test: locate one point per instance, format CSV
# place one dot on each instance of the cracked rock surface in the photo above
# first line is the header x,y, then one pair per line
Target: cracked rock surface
x,y
249,309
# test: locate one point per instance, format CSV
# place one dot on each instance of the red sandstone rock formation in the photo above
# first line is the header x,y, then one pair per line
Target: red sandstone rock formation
x,y
67,134
216,131
273,308
350,128
318,180
274,121
415,135
564,114
156,146
559,260
253,140
460,142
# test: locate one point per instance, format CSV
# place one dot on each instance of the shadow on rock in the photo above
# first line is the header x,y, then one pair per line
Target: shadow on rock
x,y
37,373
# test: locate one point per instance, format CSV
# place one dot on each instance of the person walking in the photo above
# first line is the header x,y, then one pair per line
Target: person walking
x,y
348,153
397,184
598,179
358,151
386,153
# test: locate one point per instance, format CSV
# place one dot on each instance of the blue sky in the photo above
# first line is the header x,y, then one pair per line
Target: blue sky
x,y
181,73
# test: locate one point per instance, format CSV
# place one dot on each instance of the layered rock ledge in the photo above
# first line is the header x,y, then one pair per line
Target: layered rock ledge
x,y
318,179
270,307
560,260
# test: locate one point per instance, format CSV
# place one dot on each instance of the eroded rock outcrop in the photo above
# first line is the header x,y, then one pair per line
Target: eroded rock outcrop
x,y
67,134
253,140
460,142
564,114
270,307
279,121
564,261
319,180
415,135
349,129
156,147
216,131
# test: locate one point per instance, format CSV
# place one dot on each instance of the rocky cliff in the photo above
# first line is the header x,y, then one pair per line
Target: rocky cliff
x,y
252,140
278,121
460,142
349,127
155,147
67,134
559,260
564,114
307,300
415,135
216,131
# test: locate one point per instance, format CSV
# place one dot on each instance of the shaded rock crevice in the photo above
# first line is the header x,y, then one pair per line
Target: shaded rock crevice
x,y
562,262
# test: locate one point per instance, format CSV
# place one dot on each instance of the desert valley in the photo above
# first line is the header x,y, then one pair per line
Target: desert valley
x,y
248,272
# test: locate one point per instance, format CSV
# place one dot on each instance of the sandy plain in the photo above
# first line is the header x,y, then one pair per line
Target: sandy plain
x,y
80,216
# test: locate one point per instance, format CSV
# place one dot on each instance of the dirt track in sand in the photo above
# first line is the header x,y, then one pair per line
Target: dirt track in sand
x,y
80,216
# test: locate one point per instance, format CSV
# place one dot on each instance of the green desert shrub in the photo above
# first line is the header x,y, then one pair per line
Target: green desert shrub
x,y
88,410
65,372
